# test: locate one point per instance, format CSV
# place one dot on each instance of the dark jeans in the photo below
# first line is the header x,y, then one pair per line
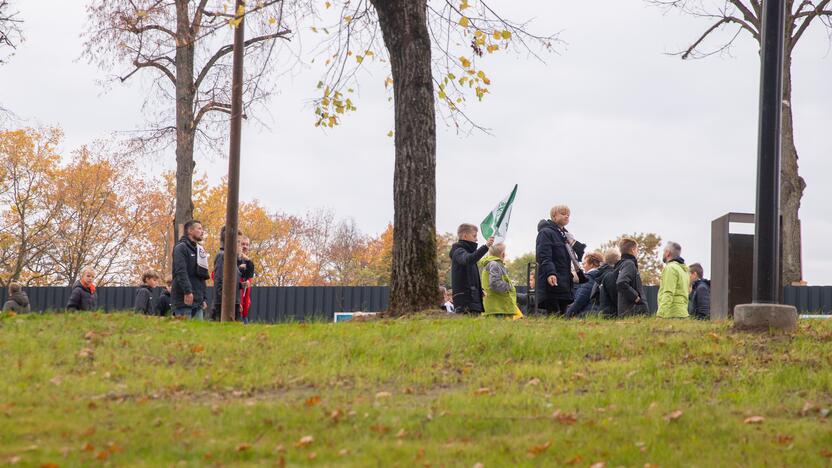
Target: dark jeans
x,y
556,307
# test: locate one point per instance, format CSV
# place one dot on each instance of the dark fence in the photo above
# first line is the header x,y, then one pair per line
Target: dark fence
x,y
298,303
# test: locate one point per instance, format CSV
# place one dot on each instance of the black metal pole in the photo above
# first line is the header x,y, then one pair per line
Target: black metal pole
x,y
767,228
229,267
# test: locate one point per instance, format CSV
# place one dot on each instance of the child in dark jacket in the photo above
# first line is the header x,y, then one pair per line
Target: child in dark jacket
x,y
144,295
83,295
163,308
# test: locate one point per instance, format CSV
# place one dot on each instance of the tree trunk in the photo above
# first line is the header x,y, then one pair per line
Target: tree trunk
x,y
791,185
414,283
185,130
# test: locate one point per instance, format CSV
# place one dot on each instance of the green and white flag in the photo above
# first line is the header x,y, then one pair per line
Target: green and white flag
x,y
496,223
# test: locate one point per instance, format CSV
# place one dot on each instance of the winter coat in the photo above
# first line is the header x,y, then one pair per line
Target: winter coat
x,y
629,288
218,281
465,277
143,303
699,301
82,298
188,276
18,303
163,308
246,268
553,259
674,289
583,293
608,292
500,295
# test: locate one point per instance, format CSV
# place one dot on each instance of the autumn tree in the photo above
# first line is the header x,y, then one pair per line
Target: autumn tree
x,y
103,208
183,47
434,49
649,255
29,163
734,18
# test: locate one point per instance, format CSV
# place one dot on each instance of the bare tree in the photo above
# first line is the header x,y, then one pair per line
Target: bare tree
x,y
737,17
435,50
184,46
11,33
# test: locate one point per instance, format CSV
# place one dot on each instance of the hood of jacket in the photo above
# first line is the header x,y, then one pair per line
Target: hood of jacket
x,y
547,224
701,281
680,263
21,298
465,245
596,274
79,284
490,258
191,244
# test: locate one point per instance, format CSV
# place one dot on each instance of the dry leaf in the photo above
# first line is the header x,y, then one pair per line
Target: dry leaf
x,y
343,452
197,348
564,417
88,447
85,353
534,381
312,401
673,416
825,452
401,433
383,395
336,415
305,441
380,428
714,337
598,465
57,380
243,447
280,449
90,335
482,391
14,460
538,449
478,465
88,432
103,455
784,439
49,465
808,407
754,420
313,456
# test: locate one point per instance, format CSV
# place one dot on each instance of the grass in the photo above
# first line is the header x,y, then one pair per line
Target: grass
x,y
122,389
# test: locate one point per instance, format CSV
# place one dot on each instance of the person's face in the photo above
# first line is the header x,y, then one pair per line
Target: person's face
x,y
693,277
448,296
153,282
196,232
88,276
562,218
470,236
587,266
666,256
244,243
531,280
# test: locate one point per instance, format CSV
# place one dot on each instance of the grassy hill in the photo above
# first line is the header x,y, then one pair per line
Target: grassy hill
x,y
121,389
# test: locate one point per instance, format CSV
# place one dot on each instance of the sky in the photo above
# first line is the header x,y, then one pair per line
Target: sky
x,y
632,138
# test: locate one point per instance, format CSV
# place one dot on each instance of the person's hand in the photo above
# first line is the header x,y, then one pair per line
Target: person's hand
x,y
204,305
490,242
553,280
570,238
638,300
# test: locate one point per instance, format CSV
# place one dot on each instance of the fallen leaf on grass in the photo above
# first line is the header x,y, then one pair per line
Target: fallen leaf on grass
x,y
482,391
402,433
538,449
564,417
754,420
305,441
343,452
15,459
784,439
86,353
598,465
714,337
103,455
243,447
808,408
312,401
478,465
197,348
313,456
673,416
89,431
826,452
534,381
336,415
49,465
57,380
383,395
380,428
90,335
88,447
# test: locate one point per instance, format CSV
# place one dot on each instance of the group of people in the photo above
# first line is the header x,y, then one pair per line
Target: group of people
x,y
184,293
568,281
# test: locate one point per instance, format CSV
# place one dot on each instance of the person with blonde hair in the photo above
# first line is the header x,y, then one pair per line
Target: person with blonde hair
x,y
500,294
83,295
558,257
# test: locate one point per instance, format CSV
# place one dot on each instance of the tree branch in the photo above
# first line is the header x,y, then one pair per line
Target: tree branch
x,y
152,64
226,49
809,16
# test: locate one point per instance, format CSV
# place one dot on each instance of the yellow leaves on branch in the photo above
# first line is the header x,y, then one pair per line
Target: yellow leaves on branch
x,y
331,104
464,21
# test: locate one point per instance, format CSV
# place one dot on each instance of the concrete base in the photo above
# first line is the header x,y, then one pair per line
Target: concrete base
x,y
765,318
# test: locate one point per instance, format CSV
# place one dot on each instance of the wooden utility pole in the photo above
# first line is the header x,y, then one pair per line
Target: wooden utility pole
x,y
229,267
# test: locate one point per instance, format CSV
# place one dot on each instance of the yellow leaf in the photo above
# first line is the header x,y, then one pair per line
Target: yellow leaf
x,y
314,29
463,21
506,34
463,5
348,18
272,20
465,62
141,13
327,4
359,58
390,133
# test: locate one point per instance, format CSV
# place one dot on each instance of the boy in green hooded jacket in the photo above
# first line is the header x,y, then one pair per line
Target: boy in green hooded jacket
x,y
500,295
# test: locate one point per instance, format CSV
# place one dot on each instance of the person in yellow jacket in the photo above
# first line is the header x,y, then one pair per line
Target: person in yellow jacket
x,y
675,284
500,295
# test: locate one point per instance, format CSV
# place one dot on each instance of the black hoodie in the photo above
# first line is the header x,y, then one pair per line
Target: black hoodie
x,y
465,276
699,302
18,303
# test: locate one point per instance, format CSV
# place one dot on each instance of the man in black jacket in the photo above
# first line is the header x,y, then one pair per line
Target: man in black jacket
x,y
628,281
465,276
558,257
699,303
190,270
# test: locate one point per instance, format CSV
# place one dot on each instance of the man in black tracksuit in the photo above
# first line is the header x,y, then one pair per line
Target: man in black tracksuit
x,y
190,270
465,276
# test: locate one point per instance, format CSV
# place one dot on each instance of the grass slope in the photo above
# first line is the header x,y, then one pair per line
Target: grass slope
x,y
121,389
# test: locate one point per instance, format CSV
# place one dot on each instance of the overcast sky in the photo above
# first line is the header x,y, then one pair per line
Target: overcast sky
x,y
631,138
